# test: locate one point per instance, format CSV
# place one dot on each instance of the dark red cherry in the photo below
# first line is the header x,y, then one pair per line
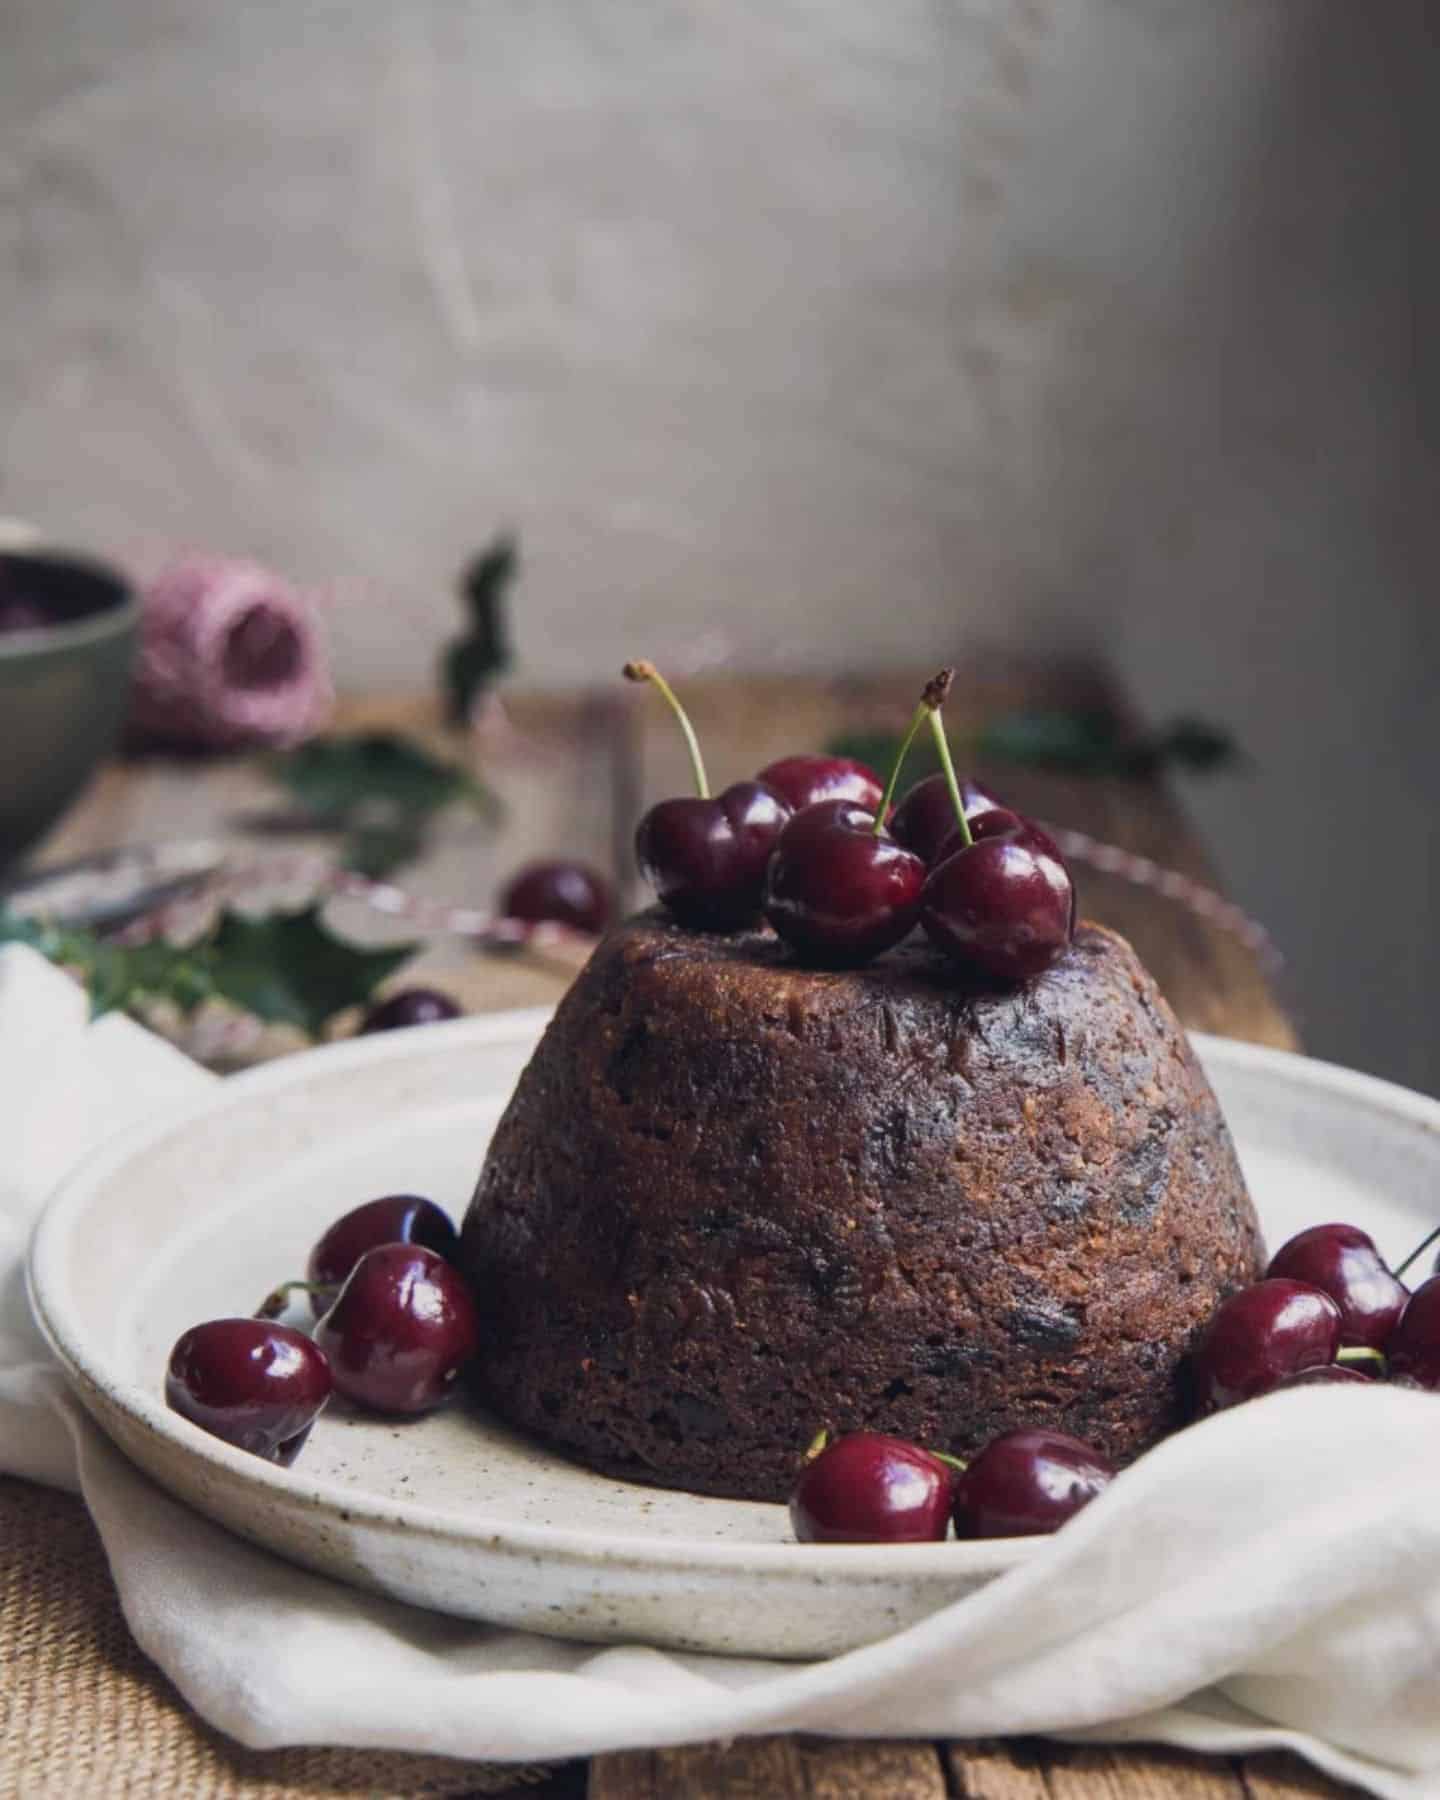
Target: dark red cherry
x,y
1259,1336
807,780
256,1384
838,892
565,893
1323,1375
867,1488
393,1219
925,817
1026,1483
1342,1261
1413,1352
411,1006
1005,906
400,1331
706,858
997,822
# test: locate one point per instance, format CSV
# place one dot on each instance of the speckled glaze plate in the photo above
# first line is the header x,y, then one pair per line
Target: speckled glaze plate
x,y
200,1213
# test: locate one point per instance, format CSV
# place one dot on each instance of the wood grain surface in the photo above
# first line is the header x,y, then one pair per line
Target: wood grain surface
x,y
573,774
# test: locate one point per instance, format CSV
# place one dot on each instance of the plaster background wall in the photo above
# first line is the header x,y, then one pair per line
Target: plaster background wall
x,y
803,333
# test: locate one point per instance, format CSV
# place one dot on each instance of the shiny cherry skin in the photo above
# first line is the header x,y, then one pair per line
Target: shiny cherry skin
x,y
1026,1483
835,891
706,858
925,816
807,780
1342,1261
867,1488
1413,1352
411,1006
400,1331
1004,907
392,1219
1324,1375
256,1384
995,823
1259,1336
562,893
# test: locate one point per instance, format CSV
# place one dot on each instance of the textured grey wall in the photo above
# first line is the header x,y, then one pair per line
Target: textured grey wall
x,y
814,332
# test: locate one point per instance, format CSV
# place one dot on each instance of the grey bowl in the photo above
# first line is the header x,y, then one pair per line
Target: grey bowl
x,y
64,688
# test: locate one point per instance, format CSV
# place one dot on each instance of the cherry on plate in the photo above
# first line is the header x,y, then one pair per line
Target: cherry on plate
x,y
806,780
1342,1261
1259,1336
411,1006
256,1384
867,1488
1413,1352
400,1330
1026,1483
392,1219
838,891
564,893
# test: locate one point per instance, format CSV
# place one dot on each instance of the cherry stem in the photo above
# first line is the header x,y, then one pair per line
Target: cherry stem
x,y
646,671
277,1300
942,750
936,689
817,1445
950,1462
1360,1354
1419,1250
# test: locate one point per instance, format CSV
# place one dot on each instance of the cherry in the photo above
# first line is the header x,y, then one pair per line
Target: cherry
x,y
840,890
995,822
925,818
1342,1261
568,893
393,1219
807,780
1323,1375
400,1330
1413,1352
1026,1483
867,1488
1259,1336
256,1384
411,1006
1003,905
705,857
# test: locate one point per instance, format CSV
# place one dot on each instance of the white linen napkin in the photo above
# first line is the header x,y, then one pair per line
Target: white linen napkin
x,y
1269,1579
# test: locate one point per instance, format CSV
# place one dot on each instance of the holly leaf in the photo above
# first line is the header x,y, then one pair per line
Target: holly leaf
x,y
291,969
473,660
372,773
117,977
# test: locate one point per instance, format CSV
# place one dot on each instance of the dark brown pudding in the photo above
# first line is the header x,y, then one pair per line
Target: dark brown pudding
x,y
733,1201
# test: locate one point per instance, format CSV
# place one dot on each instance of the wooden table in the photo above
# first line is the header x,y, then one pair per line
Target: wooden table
x,y
573,780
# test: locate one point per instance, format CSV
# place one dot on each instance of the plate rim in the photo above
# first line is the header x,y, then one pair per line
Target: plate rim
x,y
84,1368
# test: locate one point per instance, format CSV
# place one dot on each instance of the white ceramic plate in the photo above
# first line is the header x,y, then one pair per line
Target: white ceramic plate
x,y
200,1214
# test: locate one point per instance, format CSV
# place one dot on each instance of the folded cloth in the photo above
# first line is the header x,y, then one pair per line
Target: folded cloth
x,y
1269,1579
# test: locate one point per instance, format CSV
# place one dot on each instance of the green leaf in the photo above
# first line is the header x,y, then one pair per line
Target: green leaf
x,y
372,773
481,653
1076,743
116,976
290,969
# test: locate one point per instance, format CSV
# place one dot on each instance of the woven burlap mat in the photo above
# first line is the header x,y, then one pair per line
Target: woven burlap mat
x,y
85,1716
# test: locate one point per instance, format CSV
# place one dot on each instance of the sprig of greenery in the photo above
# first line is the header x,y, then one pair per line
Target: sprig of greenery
x,y
481,653
1074,743
287,968
379,790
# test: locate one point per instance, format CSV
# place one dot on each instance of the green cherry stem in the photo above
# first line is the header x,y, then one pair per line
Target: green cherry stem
x,y
278,1299
1419,1250
942,750
931,700
950,1462
1359,1356
646,671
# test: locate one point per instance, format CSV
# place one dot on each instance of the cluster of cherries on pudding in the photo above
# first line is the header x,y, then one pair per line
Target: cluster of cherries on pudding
x,y
813,843
395,1326
1328,1310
